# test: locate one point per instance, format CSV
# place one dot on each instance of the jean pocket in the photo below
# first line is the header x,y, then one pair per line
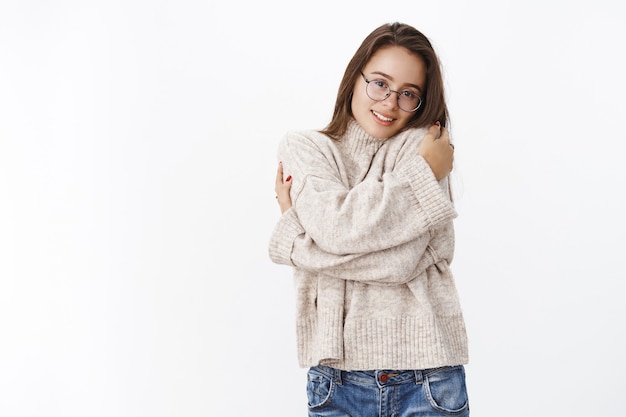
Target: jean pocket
x,y
319,388
446,390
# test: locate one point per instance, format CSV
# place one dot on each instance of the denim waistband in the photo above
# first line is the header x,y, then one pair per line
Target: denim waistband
x,y
377,377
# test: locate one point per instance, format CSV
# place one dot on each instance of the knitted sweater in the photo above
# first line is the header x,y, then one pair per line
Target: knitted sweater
x,y
370,239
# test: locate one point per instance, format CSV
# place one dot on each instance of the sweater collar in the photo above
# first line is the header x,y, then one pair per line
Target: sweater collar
x,y
355,130
356,139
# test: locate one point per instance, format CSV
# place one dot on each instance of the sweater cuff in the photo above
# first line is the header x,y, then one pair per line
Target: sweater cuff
x,y
283,236
430,197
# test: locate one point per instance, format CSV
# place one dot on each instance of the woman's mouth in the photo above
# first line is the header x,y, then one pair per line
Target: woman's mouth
x,y
382,118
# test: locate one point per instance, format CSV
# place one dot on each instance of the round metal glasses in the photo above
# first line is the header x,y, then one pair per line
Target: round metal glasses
x,y
378,90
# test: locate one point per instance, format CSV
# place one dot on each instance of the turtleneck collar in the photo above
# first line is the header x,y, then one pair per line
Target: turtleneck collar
x,y
356,140
355,130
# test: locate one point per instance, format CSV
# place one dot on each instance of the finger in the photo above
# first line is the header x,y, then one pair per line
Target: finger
x,y
279,174
444,134
435,130
279,179
284,188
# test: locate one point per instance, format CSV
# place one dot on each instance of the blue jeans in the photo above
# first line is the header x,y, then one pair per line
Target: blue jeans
x,y
425,393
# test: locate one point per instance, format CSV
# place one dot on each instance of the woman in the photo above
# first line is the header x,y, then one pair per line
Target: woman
x,y
367,226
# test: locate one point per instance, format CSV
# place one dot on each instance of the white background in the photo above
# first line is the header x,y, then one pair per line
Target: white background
x,y
137,159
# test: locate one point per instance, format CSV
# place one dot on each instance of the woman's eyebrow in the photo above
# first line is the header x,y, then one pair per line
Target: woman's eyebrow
x,y
390,78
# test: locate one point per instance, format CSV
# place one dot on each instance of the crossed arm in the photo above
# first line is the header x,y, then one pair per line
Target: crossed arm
x,y
384,265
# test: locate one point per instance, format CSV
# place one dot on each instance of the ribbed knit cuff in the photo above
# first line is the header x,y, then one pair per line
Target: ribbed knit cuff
x,y
283,236
428,192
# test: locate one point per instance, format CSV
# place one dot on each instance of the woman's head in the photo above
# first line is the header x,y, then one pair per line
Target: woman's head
x,y
398,57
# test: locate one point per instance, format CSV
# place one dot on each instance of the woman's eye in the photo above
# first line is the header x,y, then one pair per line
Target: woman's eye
x,y
409,94
380,84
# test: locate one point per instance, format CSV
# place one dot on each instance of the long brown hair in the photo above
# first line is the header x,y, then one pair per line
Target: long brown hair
x,y
433,106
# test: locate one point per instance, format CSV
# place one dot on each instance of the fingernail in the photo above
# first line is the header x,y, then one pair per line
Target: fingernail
x,y
437,123
288,178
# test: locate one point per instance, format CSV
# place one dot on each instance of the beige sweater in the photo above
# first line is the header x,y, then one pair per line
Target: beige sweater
x,y
370,238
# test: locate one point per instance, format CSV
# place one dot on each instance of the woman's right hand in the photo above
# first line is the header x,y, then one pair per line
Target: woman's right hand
x,y
437,150
282,189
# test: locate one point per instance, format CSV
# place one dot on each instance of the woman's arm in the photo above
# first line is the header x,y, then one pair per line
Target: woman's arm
x,y
391,266
290,245
381,212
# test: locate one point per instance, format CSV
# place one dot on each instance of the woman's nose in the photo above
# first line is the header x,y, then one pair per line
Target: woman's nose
x,y
392,100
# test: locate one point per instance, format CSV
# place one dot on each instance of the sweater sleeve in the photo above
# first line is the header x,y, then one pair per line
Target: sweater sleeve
x,y
381,212
392,266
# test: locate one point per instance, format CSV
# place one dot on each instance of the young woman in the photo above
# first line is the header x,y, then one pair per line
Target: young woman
x,y
367,227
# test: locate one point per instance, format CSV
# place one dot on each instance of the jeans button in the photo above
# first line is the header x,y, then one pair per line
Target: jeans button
x,y
383,378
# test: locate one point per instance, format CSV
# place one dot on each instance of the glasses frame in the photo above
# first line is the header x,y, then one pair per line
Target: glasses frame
x,y
389,91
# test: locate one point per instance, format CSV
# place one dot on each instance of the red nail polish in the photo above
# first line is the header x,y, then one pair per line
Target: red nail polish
x,y
288,178
437,123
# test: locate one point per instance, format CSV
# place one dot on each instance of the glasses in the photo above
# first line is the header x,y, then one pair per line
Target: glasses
x,y
378,90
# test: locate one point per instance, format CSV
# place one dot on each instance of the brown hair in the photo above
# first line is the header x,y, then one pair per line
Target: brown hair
x,y
433,106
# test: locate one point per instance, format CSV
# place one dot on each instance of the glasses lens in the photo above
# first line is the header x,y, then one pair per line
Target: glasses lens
x,y
409,101
377,90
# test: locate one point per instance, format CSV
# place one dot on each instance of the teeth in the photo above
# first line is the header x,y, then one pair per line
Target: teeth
x,y
381,117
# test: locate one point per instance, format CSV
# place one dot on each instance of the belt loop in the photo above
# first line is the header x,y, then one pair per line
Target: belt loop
x,y
419,377
338,373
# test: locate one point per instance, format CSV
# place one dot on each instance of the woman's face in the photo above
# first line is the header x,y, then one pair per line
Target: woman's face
x,y
400,70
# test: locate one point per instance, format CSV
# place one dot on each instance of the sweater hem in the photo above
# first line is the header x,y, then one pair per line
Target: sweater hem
x,y
390,343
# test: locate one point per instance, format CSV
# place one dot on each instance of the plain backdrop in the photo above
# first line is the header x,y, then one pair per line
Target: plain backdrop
x,y
137,158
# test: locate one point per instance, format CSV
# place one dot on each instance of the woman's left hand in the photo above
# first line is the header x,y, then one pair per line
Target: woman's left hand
x,y
282,189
